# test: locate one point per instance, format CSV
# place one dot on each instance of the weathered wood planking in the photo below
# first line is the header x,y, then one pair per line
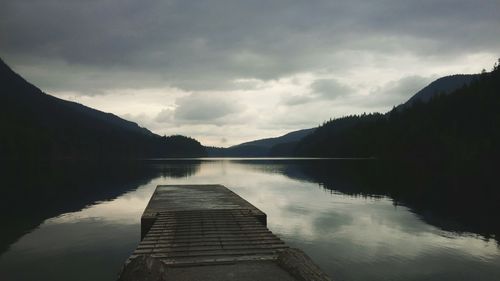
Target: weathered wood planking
x,y
174,198
209,236
207,232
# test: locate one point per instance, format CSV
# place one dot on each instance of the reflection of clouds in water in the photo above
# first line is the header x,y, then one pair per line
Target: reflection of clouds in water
x,y
126,209
301,211
327,224
56,251
339,231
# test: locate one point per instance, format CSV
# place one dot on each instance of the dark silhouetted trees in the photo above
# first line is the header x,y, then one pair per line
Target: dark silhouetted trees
x,y
36,125
459,127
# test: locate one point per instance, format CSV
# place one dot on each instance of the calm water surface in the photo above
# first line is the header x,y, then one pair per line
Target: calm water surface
x,y
352,237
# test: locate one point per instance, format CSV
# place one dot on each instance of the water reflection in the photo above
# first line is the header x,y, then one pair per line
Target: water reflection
x,y
34,192
341,213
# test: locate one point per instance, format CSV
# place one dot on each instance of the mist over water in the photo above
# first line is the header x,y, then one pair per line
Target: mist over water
x,y
345,214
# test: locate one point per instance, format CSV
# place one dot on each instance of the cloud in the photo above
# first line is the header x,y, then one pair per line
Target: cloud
x,y
294,99
397,92
330,88
319,90
205,108
206,45
253,68
165,116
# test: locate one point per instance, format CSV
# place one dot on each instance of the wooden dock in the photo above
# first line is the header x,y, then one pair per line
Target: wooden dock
x,y
208,232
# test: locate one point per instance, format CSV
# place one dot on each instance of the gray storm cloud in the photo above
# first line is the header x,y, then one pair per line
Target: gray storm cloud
x,y
205,109
330,88
206,44
395,92
93,49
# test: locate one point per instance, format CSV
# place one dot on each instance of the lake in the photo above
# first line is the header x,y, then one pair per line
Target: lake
x,y
81,222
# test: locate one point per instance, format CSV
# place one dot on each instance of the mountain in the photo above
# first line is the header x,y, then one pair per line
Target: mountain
x,y
270,142
443,85
291,144
34,124
440,156
262,147
341,145
460,127
349,136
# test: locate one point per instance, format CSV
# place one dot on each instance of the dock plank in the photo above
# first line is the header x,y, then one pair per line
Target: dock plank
x,y
191,229
186,201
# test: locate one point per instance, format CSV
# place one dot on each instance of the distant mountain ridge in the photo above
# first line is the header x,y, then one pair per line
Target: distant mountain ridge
x,y
260,147
40,122
269,142
460,125
287,144
443,85
16,87
35,124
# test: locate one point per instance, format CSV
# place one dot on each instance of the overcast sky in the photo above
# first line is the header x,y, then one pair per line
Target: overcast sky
x,y
225,72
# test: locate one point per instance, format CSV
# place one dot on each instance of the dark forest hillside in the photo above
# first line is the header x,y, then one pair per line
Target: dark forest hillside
x,y
441,155
340,145
443,85
461,126
36,125
277,146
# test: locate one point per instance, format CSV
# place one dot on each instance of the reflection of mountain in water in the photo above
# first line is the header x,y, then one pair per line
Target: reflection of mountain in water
x,y
39,192
466,201
175,168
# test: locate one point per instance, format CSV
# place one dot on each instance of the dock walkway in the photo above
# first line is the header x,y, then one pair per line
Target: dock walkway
x,y
208,232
